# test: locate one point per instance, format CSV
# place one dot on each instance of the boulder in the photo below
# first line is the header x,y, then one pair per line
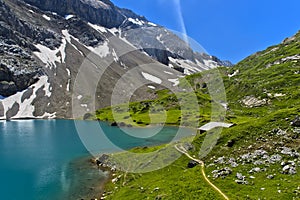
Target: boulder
x,y
275,158
233,162
98,162
222,172
259,162
290,152
220,160
255,170
121,124
241,182
230,143
114,124
102,159
87,116
270,176
288,169
296,122
192,164
188,146
240,176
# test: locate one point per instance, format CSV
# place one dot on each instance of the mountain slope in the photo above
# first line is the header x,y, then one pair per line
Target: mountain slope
x,y
46,43
258,158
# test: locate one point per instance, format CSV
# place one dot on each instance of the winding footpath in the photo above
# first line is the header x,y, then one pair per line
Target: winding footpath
x,y
183,151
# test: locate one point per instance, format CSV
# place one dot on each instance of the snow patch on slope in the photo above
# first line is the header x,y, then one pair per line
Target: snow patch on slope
x,y
100,29
210,63
151,78
116,57
189,66
69,72
46,17
68,85
151,87
203,66
67,17
68,37
47,56
114,31
136,21
152,24
175,81
170,73
50,57
101,50
26,109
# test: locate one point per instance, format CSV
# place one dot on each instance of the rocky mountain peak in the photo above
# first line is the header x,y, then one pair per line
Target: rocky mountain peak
x,y
99,12
98,4
45,43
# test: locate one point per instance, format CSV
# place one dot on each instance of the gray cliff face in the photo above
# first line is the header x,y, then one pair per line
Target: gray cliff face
x,y
45,45
159,43
23,32
103,13
18,69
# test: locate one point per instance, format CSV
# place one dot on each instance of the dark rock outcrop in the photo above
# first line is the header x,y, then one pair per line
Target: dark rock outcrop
x,y
296,122
12,80
87,116
12,111
27,94
1,110
114,124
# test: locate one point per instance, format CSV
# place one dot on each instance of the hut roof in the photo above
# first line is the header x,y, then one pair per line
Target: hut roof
x,y
211,125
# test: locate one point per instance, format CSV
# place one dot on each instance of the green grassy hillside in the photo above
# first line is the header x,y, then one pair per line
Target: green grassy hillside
x,y
166,108
256,159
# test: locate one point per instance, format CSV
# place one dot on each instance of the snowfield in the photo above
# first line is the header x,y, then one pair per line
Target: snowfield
x,y
26,109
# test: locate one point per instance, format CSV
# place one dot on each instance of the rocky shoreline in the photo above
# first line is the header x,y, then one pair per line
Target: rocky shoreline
x,y
89,179
103,163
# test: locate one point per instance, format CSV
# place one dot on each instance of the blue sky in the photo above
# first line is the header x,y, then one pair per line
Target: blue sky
x,y
229,29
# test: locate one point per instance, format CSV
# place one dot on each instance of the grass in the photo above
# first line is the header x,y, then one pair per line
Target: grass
x,y
176,181
262,75
171,182
171,109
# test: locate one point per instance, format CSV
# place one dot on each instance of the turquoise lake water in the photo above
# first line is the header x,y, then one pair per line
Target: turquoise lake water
x,y
46,159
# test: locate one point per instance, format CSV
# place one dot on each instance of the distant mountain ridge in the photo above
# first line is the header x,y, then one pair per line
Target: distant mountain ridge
x,y
103,12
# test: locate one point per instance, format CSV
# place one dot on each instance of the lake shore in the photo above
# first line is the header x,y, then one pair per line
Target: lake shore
x,y
90,180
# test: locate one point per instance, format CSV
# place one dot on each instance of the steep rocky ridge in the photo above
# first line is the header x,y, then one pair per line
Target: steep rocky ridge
x,y
102,12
